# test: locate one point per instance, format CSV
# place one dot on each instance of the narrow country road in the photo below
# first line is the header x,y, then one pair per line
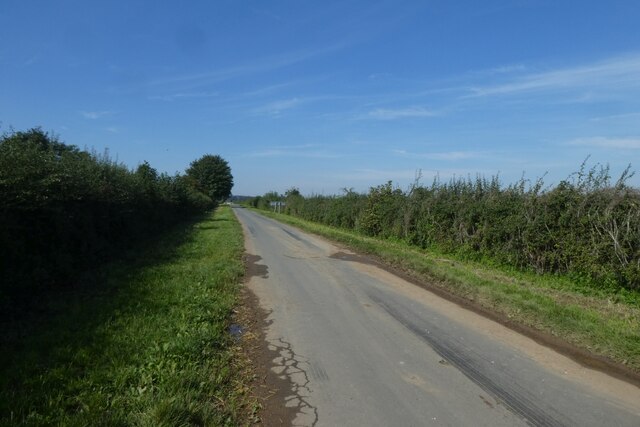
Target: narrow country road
x,y
363,347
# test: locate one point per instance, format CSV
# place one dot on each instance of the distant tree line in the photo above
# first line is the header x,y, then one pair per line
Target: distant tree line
x,y
587,226
63,209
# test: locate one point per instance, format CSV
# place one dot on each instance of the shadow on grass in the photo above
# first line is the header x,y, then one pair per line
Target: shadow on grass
x,y
207,227
43,332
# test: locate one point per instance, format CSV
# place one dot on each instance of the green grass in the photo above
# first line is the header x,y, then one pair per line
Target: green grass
x,y
606,322
141,342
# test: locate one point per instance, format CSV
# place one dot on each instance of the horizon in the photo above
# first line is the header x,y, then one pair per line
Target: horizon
x,y
334,95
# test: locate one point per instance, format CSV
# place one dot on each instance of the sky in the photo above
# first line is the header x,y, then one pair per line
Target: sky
x,y
327,95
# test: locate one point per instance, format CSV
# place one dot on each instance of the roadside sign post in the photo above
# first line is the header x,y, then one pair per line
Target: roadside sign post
x,y
277,206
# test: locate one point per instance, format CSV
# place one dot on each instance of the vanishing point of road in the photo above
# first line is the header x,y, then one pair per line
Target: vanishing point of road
x,y
362,347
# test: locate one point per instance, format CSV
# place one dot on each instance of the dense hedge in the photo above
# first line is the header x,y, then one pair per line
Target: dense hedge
x,y
63,209
587,226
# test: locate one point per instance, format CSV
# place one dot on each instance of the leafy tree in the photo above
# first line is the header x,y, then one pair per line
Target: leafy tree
x,y
293,200
272,196
212,176
292,192
148,177
146,173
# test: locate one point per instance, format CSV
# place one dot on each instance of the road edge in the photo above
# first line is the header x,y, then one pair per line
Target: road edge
x,y
267,388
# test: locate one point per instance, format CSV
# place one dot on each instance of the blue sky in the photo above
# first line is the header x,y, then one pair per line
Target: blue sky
x,y
332,94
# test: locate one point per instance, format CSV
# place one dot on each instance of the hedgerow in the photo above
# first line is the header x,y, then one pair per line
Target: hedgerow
x,y
587,226
63,209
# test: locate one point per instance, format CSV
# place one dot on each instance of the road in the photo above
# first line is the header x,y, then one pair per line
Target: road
x,y
363,347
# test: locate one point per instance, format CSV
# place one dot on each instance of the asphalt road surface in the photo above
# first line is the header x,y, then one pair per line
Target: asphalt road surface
x,y
363,347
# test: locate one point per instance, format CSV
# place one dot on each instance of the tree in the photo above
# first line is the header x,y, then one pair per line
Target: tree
x,y
292,192
212,176
148,177
294,201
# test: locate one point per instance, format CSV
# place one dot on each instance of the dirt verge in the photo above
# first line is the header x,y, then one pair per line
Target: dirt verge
x,y
267,388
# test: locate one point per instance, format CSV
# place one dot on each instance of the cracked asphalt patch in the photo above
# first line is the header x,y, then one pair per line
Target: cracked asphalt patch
x,y
292,367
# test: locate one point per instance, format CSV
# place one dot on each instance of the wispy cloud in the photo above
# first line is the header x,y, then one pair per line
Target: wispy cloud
x,y
183,95
30,61
617,117
292,153
267,90
277,107
604,142
615,72
498,70
297,146
504,69
94,115
309,151
112,129
445,155
266,13
401,113
379,76
263,65
379,175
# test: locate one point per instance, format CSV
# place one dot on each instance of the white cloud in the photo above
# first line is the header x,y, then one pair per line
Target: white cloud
x,y
445,155
309,151
379,76
392,114
292,153
184,95
276,107
507,69
267,90
260,66
266,13
604,142
378,175
93,115
618,72
297,146
452,155
617,117
112,129
32,60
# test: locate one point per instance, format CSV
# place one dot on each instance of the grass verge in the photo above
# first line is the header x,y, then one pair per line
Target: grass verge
x,y
144,341
603,322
